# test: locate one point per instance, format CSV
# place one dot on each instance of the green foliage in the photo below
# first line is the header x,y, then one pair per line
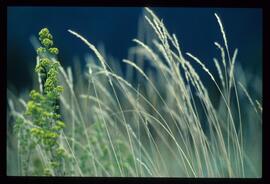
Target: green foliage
x,y
42,107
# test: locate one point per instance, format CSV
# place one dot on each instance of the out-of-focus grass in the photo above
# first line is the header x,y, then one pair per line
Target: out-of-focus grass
x,y
152,122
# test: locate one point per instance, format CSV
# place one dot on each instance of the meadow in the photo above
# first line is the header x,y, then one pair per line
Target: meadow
x,y
156,121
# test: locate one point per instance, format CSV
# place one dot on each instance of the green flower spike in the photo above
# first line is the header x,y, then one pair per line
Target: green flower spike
x,y
42,108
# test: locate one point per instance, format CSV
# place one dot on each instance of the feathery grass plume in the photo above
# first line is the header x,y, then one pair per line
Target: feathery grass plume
x,y
93,48
203,66
248,96
222,55
219,72
224,35
232,68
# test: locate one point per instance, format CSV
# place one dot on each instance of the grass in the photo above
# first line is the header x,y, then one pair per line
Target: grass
x,y
150,122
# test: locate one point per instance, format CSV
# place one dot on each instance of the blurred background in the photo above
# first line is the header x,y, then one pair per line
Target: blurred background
x,y
115,27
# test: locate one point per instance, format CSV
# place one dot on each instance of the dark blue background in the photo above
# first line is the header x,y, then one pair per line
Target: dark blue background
x,y
196,29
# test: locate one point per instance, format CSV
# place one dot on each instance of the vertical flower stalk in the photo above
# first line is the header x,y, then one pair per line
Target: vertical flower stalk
x,y
43,106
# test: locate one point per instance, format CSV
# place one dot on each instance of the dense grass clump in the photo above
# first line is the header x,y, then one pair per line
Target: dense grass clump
x,y
154,121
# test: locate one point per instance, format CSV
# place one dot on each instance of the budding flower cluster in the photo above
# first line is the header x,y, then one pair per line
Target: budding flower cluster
x,y
46,39
42,106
